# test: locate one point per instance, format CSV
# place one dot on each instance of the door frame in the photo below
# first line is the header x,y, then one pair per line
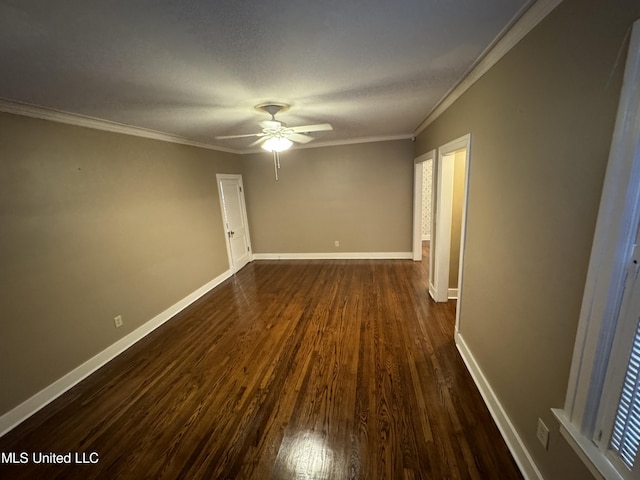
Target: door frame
x,y
439,289
418,180
441,251
225,226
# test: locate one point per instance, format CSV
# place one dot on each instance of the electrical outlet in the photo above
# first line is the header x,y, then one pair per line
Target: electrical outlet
x,y
117,320
336,243
543,434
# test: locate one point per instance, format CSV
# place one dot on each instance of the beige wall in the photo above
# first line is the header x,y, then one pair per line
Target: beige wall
x,y
96,224
360,195
541,122
459,166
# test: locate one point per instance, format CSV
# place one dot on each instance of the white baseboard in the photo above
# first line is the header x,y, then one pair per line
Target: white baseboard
x,y
511,437
433,292
452,293
14,417
335,256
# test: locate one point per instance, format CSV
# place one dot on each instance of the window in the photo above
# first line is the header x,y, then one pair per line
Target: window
x,y
617,426
626,427
601,415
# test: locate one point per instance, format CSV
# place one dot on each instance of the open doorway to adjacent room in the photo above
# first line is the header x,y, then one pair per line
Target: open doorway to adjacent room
x,y
449,221
423,207
440,203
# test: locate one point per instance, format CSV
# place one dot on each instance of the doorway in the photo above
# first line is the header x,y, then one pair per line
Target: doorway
x,y
419,202
234,216
448,235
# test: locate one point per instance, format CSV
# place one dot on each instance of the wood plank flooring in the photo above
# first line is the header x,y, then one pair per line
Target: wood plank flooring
x,y
291,369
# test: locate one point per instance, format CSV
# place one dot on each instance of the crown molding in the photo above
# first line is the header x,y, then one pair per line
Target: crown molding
x,y
526,19
351,141
34,111
28,110
523,22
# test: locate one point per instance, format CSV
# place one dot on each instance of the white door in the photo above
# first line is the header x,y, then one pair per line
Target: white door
x,y
234,214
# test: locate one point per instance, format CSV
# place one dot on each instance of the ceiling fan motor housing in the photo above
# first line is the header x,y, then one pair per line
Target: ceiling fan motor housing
x,y
272,108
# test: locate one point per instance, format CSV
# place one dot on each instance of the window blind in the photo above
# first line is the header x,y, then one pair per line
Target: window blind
x,y
625,439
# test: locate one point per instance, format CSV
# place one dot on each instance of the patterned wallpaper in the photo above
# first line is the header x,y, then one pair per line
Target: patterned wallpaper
x,y
427,169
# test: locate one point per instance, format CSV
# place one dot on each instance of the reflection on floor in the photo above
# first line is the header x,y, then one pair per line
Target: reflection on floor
x,y
291,369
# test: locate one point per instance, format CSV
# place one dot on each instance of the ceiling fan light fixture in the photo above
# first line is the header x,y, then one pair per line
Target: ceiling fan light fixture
x,y
277,144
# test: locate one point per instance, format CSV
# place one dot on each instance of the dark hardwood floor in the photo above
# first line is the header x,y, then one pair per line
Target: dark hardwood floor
x,y
291,369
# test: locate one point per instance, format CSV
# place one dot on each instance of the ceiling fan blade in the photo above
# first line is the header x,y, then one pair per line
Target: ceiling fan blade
x,y
321,127
271,124
224,137
299,138
258,142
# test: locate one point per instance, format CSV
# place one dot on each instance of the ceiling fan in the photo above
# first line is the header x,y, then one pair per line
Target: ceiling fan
x,y
275,136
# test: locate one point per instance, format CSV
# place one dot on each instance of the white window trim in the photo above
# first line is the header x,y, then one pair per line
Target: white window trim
x,y
614,237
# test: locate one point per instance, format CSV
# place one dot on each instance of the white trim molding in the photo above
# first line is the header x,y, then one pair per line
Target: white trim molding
x,y
17,415
586,450
511,437
432,291
53,115
452,294
524,21
335,256
443,199
443,213
78,120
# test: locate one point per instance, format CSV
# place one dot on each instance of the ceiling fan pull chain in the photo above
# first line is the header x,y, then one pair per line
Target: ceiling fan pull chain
x,y
275,163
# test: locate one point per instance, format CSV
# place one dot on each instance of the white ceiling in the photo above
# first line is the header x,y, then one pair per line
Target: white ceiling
x,y
196,68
